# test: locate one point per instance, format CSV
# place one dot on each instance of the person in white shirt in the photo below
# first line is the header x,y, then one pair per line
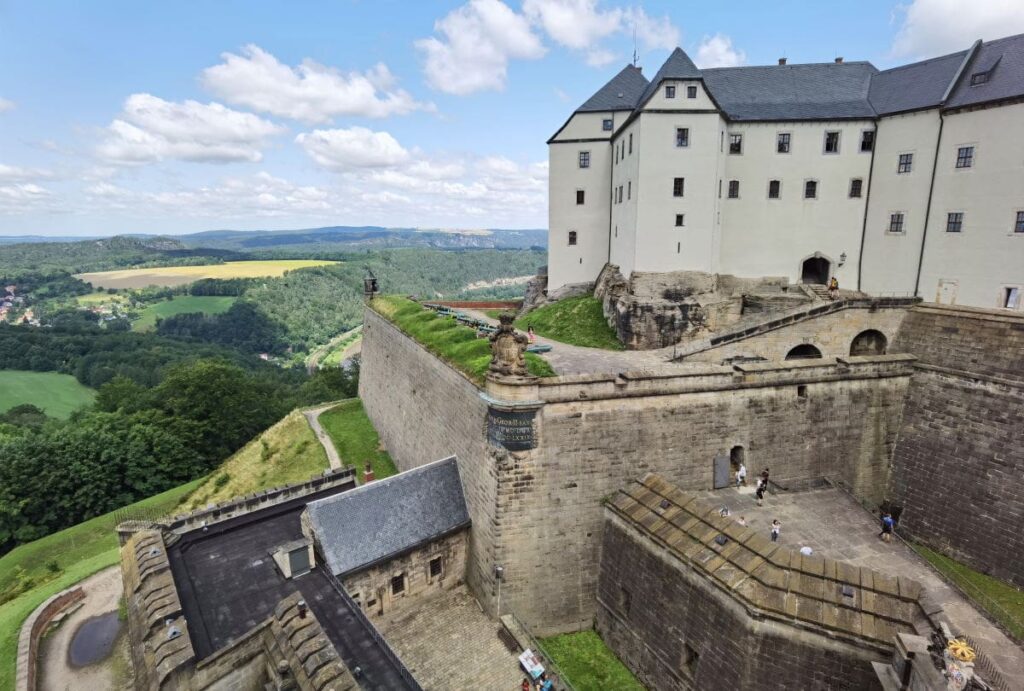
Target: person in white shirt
x,y
741,475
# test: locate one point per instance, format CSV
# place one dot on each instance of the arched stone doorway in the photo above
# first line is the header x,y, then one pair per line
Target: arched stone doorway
x,y
804,351
737,455
870,342
815,269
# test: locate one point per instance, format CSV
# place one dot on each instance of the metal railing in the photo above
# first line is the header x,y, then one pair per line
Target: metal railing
x,y
561,681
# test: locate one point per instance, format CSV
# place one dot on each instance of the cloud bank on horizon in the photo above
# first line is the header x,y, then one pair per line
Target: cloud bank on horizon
x,y
446,129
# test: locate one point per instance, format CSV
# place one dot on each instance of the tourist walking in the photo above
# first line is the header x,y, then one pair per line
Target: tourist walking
x,y
530,334
887,526
741,475
759,492
776,527
833,288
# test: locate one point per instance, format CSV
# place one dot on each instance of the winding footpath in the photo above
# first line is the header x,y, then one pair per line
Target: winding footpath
x,y
313,418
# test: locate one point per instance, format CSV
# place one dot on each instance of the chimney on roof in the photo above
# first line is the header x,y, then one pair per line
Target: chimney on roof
x,y
839,61
782,61
368,474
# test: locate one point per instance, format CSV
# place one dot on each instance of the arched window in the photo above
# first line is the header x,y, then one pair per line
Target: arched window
x,y
804,351
870,342
572,237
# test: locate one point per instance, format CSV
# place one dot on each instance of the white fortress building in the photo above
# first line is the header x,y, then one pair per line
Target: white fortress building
x,y
908,181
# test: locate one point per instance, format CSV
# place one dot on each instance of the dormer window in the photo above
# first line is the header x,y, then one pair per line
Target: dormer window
x,y
979,78
691,92
982,73
670,91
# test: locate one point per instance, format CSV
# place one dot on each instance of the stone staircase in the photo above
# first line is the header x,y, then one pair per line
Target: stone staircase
x,y
820,291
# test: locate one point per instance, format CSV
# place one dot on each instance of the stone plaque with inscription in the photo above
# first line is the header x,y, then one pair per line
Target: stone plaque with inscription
x,y
512,430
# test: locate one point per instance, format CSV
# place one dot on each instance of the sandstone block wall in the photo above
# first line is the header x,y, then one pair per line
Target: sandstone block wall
x,y
959,459
676,631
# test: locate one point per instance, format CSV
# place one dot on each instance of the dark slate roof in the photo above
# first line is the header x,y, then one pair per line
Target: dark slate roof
x,y
1005,58
914,86
678,66
793,92
384,518
621,93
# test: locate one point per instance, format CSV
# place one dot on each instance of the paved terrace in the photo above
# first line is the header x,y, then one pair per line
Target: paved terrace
x,y
228,583
834,525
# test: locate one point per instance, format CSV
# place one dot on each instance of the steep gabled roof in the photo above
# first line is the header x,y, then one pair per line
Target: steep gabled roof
x,y
793,92
620,93
385,518
1003,60
914,86
678,66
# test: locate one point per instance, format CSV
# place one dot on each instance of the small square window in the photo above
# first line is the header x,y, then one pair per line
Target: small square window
x,y
678,187
979,78
782,142
735,143
954,221
965,157
691,92
1018,227
682,136
856,187
734,189
670,91
774,188
580,195
606,124
905,163
435,567
811,189
680,218
572,237
584,159
1011,297
867,140
398,584
831,142
896,222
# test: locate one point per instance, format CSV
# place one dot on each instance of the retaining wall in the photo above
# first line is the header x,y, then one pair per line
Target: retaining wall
x,y
32,630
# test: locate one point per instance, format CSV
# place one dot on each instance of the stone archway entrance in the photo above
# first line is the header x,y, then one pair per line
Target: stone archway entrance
x,y
870,342
815,270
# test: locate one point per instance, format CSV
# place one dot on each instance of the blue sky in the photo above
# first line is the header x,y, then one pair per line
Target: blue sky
x,y
182,116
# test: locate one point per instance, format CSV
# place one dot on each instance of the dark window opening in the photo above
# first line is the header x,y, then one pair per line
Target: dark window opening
x,y
774,186
1011,297
867,140
606,124
979,78
856,186
630,142
679,248
870,342
965,157
811,189
584,159
679,220
580,196
1018,227
398,584
804,351
629,190
896,223
691,92
690,659
734,189
831,142
815,270
435,567
737,455
954,221
801,390
670,91
782,143
682,136
678,187
905,164
572,237
735,143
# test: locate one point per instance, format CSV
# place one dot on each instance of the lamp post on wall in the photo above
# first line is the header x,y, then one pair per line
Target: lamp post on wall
x,y
499,575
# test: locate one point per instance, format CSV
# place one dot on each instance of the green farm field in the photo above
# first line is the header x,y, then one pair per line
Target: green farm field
x,y
57,394
181,304
169,276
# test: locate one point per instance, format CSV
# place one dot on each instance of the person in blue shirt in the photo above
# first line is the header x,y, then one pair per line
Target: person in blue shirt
x,y
887,526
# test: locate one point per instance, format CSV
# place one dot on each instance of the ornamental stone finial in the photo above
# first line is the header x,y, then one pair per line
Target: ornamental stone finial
x,y
508,350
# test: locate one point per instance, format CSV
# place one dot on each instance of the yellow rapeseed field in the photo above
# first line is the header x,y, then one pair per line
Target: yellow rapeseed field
x,y
169,276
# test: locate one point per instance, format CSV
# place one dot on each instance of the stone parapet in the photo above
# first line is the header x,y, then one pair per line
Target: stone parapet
x,y
32,630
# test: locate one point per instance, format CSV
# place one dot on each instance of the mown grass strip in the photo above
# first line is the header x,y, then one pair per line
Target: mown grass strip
x,y
589,664
356,439
577,321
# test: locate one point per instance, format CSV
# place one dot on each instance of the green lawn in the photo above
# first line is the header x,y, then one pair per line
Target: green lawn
x,y
57,394
355,438
588,664
1003,601
447,339
182,304
77,552
576,321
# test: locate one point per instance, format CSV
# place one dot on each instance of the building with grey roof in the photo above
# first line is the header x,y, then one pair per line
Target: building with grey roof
x,y
902,181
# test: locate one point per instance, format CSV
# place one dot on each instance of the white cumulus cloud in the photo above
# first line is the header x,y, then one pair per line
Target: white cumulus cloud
x,y
476,42
936,27
652,32
24,197
152,129
6,105
718,51
310,92
21,174
355,147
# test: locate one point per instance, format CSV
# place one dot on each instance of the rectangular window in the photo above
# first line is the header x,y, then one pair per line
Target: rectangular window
x,y
630,142
856,186
435,567
896,222
584,159
670,91
398,584
774,186
1018,227
616,155
782,143
679,220
580,194
811,189
979,78
965,157
606,124
954,221
719,188
734,189
906,163
1011,297
682,136
620,194
572,237
735,143
867,140
691,92
629,190
678,187
831,142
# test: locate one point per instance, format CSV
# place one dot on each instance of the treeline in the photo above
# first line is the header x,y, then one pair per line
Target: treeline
x,y
243,326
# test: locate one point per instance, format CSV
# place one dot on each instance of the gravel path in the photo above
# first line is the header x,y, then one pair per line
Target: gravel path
x,y
313,418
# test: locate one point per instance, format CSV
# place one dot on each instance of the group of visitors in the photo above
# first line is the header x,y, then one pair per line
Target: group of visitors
x,y
541,683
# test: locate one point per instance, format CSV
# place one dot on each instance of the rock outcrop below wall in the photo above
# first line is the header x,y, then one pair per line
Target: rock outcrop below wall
x,y
959,461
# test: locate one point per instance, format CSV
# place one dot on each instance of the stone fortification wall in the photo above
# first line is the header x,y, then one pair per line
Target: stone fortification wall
x,y
32,630
959,459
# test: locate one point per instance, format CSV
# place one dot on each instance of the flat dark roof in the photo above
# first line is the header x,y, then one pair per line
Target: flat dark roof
x,y
228,583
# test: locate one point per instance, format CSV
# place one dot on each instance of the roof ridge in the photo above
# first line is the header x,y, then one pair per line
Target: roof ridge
x,y
388,480
924,62
789,64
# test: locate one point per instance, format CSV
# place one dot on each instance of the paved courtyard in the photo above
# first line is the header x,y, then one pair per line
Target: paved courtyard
x,y
834,525
448,643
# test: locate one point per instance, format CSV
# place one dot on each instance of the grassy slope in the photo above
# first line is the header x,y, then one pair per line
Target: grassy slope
x,y
182,304
450,341
588,663
80,551
179,275
355,438
57,394
576,321
286,453
1001,600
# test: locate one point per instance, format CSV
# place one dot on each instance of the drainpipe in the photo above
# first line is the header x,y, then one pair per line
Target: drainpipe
x,y
928,207
867,204
611,199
